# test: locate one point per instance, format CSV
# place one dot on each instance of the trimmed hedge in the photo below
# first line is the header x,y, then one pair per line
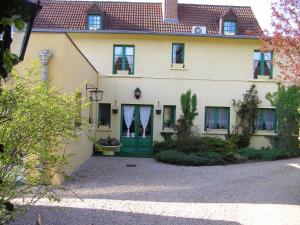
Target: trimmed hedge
x,y
190,159
268,154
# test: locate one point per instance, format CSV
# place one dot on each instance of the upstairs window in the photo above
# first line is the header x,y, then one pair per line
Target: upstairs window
x,y
123,59
230,28
178,54
266,119
169,116
104,114
94,22
217,118
263,64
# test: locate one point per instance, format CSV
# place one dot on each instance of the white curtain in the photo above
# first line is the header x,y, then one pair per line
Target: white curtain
x,y
222,118
145,112
128,117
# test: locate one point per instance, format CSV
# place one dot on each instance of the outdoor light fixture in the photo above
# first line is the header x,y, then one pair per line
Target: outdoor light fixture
x,y
115,108
95,94
12,38
158,109
137,93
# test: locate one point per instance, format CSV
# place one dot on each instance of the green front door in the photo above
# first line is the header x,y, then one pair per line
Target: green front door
x,y
137,128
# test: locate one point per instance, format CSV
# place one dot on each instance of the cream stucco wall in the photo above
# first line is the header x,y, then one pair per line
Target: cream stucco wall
x,y
216,69
67,70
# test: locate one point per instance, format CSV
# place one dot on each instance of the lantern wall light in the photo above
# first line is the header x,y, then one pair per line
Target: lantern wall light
x,y
95,94
137,93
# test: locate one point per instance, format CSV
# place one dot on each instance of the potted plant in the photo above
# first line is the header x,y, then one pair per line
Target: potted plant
x,y
108,146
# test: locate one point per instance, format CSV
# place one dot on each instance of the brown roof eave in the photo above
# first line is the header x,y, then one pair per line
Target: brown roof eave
x,y
146,33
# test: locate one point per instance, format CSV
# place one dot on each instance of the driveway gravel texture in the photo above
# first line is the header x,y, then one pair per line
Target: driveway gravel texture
x,y
152,193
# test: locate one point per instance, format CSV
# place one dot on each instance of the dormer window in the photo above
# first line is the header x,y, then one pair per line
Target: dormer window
x,y
228,23
230,28
94,22
95,18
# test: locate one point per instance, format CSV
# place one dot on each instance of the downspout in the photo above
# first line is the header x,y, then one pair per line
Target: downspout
x,y
45,55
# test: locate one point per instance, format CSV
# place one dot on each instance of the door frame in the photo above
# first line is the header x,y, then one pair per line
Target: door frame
x,y
136,145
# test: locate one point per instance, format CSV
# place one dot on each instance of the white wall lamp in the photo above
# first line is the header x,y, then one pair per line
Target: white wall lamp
x,y
158,109
115,109
95,94
45,55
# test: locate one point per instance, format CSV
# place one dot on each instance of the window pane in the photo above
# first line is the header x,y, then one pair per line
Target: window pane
x,y
268,56
104,114
118,50
94,22
178,53
217,118
169,117
124,58
129,51
257,56
229,28
265,119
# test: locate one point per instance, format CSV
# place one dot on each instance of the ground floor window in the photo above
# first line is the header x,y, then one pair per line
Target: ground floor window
x,y
169,116
217,117
104,112
266,119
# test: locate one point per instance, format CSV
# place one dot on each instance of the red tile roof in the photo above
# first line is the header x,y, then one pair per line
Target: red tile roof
x,y
146,17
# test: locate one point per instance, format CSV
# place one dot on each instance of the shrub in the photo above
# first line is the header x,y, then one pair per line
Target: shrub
x,y
246,112
287,103
267,154
189,108
204,145
239,140
189,159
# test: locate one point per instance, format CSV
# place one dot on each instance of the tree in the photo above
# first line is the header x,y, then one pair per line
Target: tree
x,y
189,109
36,123
287,103
285,40
246,112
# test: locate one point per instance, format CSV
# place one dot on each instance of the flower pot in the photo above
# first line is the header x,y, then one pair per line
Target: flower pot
x,y
110,150
158,111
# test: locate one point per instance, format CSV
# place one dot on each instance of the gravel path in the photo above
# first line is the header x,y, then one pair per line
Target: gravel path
x,y
152,193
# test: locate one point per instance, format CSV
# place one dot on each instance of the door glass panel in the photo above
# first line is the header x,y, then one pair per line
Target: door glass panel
x,y
145,122
128,119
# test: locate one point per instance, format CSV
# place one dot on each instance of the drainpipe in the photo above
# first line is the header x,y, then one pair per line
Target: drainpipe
x,y
45,55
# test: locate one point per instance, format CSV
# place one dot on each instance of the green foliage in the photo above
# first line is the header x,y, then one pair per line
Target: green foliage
x,y
36,123
239,140
246,111
195,151
268,154
167,136
189,108
204,144
190,159
287,103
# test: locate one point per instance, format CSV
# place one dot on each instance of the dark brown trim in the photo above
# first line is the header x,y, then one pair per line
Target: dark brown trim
x,y
73,43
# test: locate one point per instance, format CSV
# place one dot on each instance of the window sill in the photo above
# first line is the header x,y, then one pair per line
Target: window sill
x,y
176,66
263,80
217,131
104,128
265,133
168,130
123,76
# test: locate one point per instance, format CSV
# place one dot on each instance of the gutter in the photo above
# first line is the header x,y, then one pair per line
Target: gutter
x,y
247,37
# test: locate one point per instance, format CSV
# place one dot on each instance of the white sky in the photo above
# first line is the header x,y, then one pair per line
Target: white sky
x,y
261,8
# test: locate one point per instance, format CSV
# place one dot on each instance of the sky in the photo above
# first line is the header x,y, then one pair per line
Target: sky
x,y
261,8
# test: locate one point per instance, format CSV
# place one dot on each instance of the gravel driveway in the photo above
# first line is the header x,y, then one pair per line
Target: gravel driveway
x,y
266,193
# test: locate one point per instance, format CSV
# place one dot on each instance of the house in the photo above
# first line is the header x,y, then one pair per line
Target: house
x,y
144,56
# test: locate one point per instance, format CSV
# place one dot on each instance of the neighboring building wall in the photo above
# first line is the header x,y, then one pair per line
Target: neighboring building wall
x,y
216,69
67,70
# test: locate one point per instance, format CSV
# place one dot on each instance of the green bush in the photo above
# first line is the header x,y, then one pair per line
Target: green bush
x,y
268,154
204,145
190,159
239,140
